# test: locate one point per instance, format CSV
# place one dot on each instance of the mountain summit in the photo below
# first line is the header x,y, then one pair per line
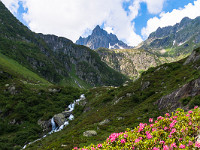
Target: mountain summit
x,y
100,38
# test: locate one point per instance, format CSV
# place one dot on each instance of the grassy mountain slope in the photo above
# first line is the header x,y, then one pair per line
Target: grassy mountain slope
x,y
63,62
26,98
128,105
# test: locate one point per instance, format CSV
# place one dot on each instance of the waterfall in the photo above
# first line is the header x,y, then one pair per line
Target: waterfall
x,y
53,124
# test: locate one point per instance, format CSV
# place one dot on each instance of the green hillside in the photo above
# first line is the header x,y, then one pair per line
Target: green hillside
x,y
128,105
25,98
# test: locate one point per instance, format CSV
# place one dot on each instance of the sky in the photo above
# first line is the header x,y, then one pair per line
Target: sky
x,y
131,20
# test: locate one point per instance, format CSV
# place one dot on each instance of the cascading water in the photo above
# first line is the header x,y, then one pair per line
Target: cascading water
x,y
53,124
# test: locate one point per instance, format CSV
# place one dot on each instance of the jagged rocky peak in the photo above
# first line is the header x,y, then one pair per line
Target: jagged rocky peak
x,y
100,38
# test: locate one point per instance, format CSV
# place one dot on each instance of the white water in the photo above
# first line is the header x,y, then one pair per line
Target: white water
x,y
53,124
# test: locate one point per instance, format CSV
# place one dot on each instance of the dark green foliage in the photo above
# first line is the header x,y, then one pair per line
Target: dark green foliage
x,y
185,101
195,102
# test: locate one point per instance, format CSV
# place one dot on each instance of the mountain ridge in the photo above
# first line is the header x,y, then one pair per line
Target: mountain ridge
x,y
174,41
100,38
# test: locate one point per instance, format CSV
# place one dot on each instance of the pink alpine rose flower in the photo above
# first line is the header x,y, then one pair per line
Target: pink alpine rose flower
x,y
150,119
173,145
182,146
165,128
167,114
190,143
197,144
190,112
165,147
162,142
155,148
123,141
99,145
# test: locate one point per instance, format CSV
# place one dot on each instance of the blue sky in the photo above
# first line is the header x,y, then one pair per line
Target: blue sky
x,y
131,20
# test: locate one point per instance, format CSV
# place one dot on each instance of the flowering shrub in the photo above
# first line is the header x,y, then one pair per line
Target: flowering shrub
x,y
178,131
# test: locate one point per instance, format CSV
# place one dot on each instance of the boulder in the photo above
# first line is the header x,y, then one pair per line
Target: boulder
x,y
145,85
59,119
106,121
12,90
66,113
89,133
54,90
45,125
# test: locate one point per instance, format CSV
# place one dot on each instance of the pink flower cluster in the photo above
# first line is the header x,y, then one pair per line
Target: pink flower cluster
x,y
165,134
114,136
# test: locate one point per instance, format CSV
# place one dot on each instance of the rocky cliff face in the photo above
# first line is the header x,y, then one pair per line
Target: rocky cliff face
x,y
184,96
175,40
100,38
87,63
130,62
172,101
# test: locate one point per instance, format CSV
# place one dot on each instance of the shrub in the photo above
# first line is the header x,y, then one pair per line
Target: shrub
x,y
168,133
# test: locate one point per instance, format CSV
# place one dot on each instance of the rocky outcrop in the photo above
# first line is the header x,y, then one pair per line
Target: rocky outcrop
x,y
130,62
45,125
89,133
61,117
171,102
104,122
82,62
195,56
100,38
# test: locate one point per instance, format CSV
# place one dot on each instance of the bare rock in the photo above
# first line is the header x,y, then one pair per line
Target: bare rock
x,y
195,56
145,85
59,119
104,122
45,125
89,133
171,101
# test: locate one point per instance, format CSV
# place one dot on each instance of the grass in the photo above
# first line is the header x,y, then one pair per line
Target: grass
x,y
74,80
19,70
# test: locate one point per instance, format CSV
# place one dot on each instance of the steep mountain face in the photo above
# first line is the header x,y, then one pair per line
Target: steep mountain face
x,y
130,62
100,38
109,110
176,40
87,64
56,59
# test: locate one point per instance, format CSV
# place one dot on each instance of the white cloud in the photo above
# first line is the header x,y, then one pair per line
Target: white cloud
x,y
109,29
72,18
153,6
12,5
171,18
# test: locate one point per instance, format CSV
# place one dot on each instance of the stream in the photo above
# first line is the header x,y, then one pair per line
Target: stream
x,y
53,124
